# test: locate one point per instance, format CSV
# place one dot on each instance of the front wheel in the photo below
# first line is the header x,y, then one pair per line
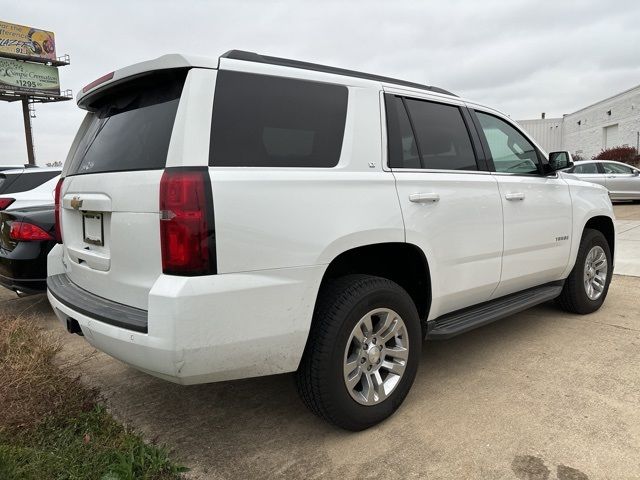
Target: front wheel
x,y
362,353
586,287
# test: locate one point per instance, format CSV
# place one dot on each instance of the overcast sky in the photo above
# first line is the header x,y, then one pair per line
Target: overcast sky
x,y
522,57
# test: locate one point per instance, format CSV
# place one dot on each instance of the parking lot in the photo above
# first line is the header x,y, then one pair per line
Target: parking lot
x,y
543,394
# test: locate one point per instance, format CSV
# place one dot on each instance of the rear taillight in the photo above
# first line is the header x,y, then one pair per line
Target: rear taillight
x,y
28,232
5,202
187,231
56,195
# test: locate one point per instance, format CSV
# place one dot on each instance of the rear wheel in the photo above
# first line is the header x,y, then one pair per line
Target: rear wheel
x,y
362,353
586,287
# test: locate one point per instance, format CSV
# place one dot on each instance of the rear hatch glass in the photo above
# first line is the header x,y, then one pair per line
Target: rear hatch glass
x,y
130,126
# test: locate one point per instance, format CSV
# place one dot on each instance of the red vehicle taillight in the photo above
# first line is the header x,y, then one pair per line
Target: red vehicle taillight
x,y
187,231
27,232
97,82
58,191
5,202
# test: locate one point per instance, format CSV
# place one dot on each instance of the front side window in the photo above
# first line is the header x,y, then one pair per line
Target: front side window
x,y
266,121
615,168
510,150
443,138
586,168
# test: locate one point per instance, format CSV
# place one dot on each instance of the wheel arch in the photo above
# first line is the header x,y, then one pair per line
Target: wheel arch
x,y
603,224
402,263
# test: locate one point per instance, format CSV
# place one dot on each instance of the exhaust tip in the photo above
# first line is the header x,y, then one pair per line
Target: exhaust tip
x,y
74,327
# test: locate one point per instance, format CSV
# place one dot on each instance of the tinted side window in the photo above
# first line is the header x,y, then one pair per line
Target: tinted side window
x,y
403,151
615,168
586,168
29,181
265,121
443,139
511,151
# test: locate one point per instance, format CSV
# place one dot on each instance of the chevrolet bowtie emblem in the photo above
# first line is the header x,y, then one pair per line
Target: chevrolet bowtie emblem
x,y
76,203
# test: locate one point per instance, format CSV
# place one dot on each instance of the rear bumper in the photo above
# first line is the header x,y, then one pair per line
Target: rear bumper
x,y
213,328
33,285
25,267
101,309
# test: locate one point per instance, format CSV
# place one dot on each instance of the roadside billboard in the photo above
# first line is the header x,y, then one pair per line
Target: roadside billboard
x,y
27,43
31,78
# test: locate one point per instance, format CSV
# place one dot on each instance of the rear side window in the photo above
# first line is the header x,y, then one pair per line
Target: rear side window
x,y
131,125
440,137
615,168
403,150
265,121
28,181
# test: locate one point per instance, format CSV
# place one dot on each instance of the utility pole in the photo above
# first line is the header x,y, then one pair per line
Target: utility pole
x,y
27,130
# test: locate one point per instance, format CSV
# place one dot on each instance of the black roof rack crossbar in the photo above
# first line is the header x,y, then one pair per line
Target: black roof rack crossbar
x,y
284,62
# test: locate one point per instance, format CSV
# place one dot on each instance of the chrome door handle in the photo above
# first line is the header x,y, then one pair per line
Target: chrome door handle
x,y
514,196
424,197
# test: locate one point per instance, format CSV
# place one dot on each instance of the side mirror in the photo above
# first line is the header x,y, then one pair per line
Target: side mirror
x,y
636,173
560,160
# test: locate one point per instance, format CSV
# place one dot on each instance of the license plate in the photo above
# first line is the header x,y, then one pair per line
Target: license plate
x,y
92,228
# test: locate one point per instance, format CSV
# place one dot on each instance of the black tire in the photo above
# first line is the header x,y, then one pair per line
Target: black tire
x,y
340,306
574,297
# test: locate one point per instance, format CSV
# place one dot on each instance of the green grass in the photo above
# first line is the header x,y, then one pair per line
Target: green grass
x,y
51,427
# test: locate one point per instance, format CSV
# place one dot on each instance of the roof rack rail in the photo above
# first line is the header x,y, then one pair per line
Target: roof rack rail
x,y
285,62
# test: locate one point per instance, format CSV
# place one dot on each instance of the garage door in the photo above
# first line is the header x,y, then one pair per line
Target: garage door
x,y
611,137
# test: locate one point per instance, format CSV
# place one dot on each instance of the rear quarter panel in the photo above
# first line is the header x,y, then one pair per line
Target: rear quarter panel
x,y
290,217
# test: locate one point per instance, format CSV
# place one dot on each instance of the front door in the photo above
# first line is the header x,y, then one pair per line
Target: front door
x,y
536,209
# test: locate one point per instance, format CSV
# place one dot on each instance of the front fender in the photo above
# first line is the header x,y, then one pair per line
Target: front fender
x,y
588,201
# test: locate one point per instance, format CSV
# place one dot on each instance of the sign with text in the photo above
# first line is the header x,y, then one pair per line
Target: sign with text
x,y
18,41
31,78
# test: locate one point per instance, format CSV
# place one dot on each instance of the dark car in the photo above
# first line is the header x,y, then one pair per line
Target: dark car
x,y
26,237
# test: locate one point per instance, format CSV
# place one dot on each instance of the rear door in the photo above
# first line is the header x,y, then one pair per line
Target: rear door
x,y
622,181
110,196
450,203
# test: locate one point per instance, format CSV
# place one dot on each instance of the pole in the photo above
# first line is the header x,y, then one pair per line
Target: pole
x,y
27,130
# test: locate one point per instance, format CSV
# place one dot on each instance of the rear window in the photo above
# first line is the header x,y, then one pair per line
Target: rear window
x,y
265,121
25,181
130,126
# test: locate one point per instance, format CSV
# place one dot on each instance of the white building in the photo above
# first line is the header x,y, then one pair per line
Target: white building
x,y
612,122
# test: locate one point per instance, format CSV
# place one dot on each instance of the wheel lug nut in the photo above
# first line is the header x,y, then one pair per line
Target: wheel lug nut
x,y
366,346
362,360
369,367
373,341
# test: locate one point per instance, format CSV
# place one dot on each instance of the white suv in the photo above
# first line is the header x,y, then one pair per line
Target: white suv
x,y
252,215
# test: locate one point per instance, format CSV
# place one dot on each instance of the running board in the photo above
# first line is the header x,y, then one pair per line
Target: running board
x,y
462,321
